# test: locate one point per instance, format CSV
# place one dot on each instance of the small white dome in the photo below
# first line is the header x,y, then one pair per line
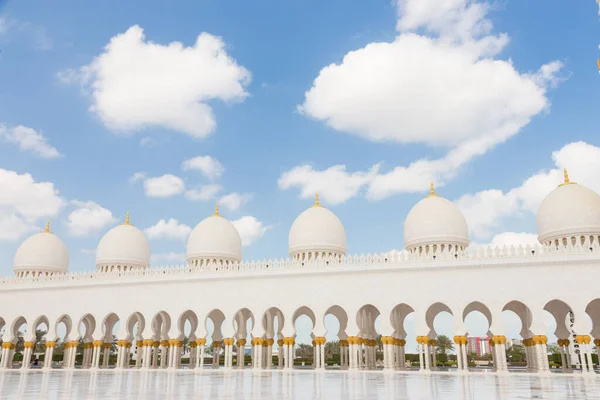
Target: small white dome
x,y
435,221
214,239
319,231
42,253
123,247
570,210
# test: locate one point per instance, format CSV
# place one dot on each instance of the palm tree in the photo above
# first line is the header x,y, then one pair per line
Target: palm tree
x,y
304,350
186,344
444,344
20,346
332,349
39,344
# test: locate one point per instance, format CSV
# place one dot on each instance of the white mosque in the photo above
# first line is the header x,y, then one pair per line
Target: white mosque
x,y
148,309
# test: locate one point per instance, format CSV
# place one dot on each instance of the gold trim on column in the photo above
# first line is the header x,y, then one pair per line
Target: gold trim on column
x,y
581,339
460,340
201,341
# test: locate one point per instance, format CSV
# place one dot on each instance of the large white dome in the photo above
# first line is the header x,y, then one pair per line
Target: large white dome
x,y
41,254
435,221
214,239
317,232
124,247
569,211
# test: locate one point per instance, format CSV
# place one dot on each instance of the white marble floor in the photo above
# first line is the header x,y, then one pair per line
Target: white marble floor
x,y
301,385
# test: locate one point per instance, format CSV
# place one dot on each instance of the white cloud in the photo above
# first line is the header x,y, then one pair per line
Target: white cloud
x,y
137,176
485,210
28,140
250,229
443,89
88,218
171,229
514,239
23,202
204,193
168,257
208,166
335,184
135,83
148,142
461,20
164,186
233,201
3,24
26,30
13,227
89,252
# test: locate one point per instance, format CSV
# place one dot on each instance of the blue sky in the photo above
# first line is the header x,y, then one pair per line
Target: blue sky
x,y
490,100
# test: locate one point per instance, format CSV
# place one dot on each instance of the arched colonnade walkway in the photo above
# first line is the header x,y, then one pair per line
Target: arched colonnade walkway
x,y
159,340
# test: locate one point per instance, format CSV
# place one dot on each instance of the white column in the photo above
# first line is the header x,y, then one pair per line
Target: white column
x,y
292,343
464,355
420,347
241,346
96,353
563,357
201,346
280,350
106,354
47,355
459,357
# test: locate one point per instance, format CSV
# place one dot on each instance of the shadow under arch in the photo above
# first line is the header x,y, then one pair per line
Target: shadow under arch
x,y
524,314
560,310
240,323
15,328
593,310
135,318
300,311
342,316
268,322
86,327
432,312
398,318
365,319
188,316
66,320
161,323
477,306
108,325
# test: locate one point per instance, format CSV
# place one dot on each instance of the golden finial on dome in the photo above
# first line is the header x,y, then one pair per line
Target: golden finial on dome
x,y
317,204
431,190
217,210
47,230
127,219
566,176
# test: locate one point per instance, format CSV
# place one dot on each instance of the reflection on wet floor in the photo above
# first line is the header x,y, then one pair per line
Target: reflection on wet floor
x,y
278,385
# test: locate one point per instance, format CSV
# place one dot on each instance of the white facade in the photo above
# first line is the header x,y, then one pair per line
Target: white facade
x,y
154,304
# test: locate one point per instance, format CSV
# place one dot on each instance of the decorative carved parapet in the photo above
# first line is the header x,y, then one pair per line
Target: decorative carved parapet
x,y
390,259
